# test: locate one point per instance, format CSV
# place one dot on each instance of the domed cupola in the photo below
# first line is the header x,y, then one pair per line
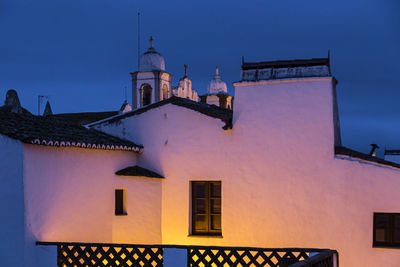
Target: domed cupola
x,y
150,83
217,93
216,85
151,60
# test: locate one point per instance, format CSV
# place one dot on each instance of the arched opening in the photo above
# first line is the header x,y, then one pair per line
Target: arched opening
x,y
145,94
165,92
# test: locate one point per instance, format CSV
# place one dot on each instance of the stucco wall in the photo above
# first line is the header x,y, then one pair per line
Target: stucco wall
x,y
69,196
281,183
11,203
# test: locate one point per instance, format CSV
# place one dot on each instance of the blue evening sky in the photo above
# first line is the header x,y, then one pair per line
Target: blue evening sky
x,y
80,52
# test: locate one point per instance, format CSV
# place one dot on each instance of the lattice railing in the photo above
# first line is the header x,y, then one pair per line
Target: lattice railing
x,y
105,255
76,255
223,256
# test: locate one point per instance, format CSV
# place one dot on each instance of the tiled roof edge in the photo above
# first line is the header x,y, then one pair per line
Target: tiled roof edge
x,y
138,171
135,148
286,63
392,152
203,108
340,150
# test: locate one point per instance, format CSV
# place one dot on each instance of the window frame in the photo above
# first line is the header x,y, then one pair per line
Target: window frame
x,y
208,213
120,211
390,234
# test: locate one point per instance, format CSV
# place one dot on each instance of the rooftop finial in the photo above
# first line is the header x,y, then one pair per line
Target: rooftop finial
x,y
185,70
217,71
12,101
151,41
47,109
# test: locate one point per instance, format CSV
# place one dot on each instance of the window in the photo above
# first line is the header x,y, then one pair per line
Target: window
x,y
206,208
165,92
120,202
386,230
146,94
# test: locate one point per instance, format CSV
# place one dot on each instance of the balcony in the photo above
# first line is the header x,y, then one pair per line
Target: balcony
x,y
101,254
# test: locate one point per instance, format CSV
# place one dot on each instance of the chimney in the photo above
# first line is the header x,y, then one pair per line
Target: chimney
x,y
373,148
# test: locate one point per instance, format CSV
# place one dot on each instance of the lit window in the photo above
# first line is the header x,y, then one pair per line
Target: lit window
x,y
165,92
386,230
120,202
206,208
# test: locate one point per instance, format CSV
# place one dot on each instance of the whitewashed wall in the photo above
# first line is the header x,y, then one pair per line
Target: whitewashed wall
x,y
69,196
281,183
11,203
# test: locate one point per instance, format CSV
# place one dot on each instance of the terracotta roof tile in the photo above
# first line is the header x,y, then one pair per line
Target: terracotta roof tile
x,y
209,110
51,131
138,171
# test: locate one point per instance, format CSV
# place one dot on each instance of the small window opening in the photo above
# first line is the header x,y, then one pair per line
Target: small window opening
x,y
120,202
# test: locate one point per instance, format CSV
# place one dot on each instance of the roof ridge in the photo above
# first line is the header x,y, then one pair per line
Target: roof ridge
x,y
209,110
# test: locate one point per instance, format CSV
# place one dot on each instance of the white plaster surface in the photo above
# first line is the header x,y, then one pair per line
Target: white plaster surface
x,y
281,183
185,90
12,251
69,196
213,100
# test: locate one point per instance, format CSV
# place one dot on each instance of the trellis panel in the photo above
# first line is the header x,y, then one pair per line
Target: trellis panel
x,y
108,255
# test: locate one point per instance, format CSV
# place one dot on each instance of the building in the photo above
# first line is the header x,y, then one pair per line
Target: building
x,y
184,88
271,172
217,93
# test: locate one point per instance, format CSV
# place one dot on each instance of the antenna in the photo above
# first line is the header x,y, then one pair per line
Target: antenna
x,y
138,40
40,100
125,94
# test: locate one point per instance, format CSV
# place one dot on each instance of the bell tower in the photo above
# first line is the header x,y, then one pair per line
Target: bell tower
x,y
150,83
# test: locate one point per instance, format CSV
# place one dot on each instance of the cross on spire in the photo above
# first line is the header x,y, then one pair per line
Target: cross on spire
x,y
185,70
151,41
217,71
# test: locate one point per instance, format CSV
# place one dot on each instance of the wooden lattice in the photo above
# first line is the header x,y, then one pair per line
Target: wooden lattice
x,y
202,257
107,255
89,255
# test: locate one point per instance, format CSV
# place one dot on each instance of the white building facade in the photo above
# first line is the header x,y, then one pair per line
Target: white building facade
x,y
274,168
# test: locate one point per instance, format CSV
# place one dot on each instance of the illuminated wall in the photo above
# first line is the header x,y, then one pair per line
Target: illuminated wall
x,y
282,185
69,196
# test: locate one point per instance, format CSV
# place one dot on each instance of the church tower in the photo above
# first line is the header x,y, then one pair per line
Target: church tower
x,y
184,89
150,83
217,93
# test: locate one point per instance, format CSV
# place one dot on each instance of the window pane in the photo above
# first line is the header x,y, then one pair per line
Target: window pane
x,y
215,205
199,189
216,222
216,189
119,201
381,227
200,222
200,206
